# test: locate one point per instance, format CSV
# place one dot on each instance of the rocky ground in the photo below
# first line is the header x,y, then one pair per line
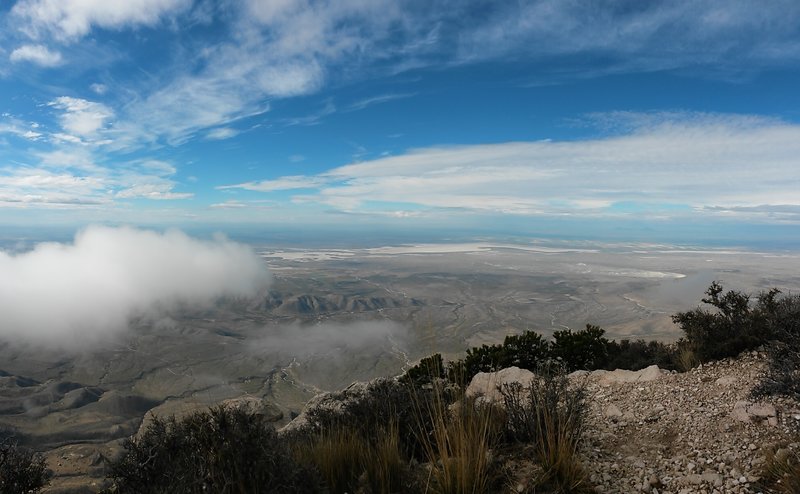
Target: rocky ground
x,y
650,431
694,432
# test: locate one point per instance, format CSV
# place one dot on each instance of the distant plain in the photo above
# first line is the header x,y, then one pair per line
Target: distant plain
x,y
332,316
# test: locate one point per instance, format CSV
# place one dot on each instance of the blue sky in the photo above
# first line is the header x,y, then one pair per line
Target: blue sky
x,y
643,120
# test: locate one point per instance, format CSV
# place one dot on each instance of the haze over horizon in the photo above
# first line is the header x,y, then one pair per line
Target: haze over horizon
x,y
625,121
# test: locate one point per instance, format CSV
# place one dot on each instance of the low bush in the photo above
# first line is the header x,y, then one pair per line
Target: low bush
x,y
783,374
428,370
586,349
21,470
735,325
638,354
384,401
223,450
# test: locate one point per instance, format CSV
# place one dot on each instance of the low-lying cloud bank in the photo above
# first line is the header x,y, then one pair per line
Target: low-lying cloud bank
x,y
331,338
73,294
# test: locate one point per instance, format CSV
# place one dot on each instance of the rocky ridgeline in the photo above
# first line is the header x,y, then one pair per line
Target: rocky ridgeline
x,y
660,432
663,432
686,432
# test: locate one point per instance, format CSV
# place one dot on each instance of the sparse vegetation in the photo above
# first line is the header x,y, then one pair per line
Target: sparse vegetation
x,y
349,461
549,414
781,473
734,326
420,433
783,376
21,470
457,440
224,450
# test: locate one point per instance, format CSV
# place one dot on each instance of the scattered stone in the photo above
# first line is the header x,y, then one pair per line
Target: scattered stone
x,y
747,411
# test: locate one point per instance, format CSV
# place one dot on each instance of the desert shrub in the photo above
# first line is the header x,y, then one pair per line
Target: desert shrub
x,y
426,371
585,349
21,470
526,351
348,461
734,326
457,439
550,415
224,450
783,374
485,358
781,473
383,402
638,354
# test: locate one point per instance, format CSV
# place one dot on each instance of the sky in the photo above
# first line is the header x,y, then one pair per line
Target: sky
x,y
637,120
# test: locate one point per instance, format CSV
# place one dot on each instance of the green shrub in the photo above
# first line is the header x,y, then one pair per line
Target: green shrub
x,y
426,371
223,450
485,358
586,349
21,470
638,354
733,327
783,374
526,351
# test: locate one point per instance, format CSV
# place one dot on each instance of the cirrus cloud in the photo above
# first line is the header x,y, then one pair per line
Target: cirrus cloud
x,y
37,54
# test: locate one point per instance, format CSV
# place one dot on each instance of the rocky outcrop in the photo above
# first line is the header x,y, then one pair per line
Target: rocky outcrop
x,y
335,403
487,385
654,431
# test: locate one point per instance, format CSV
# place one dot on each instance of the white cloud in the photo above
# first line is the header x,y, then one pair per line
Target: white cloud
x,y
37,54
161,190
21,187
81,118
228,205
221,133
73,294
283,183
694,160
18,128
71,178
377,100
99,88
718,35
72,19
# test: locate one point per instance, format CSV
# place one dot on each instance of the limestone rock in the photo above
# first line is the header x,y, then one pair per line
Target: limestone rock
x,y
747,411
647,374
487,384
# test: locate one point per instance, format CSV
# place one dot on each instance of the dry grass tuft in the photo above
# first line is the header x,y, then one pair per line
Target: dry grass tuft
x,y
457,442
550,416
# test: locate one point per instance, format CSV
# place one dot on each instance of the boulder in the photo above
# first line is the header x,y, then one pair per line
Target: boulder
x,y
747,411
487,384
647,374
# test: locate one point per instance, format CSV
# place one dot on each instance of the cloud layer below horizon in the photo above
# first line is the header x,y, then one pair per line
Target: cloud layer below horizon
x,y
72,295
